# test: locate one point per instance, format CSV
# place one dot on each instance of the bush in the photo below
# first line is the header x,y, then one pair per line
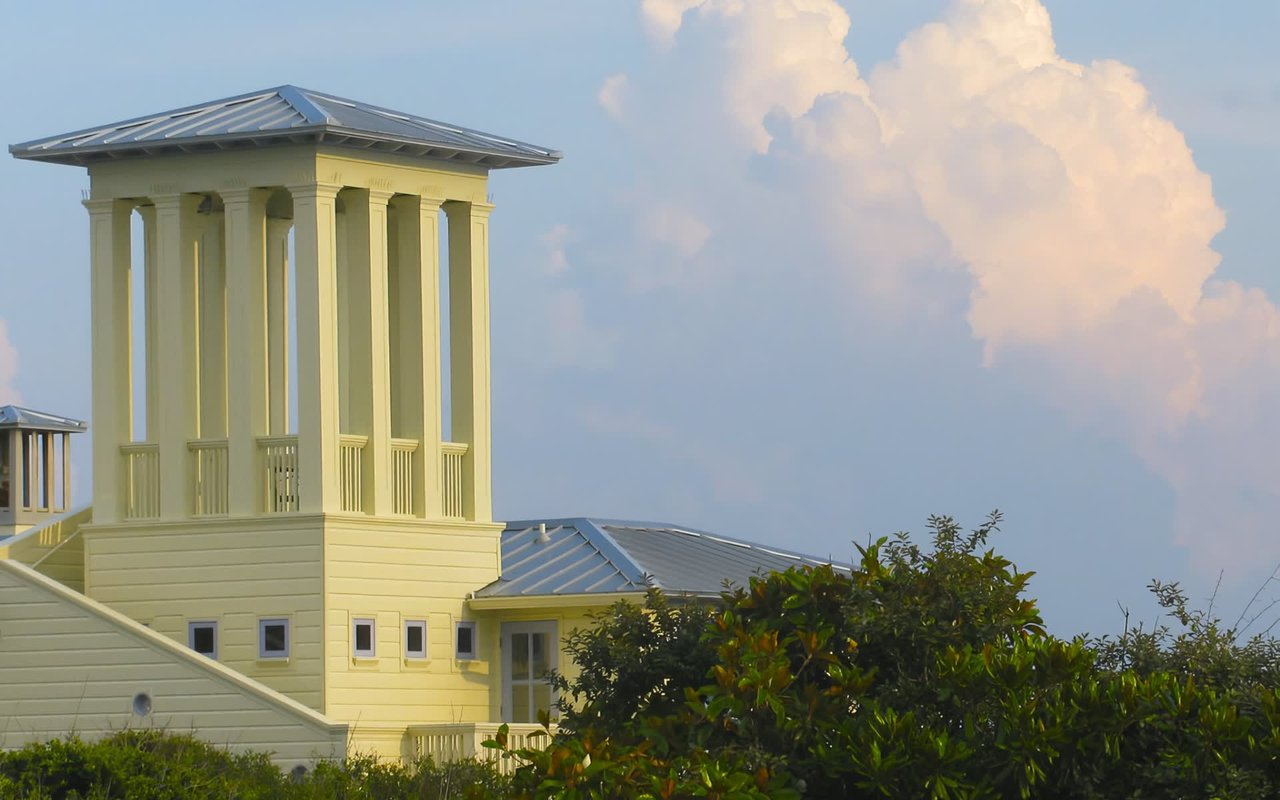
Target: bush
x,y
152,765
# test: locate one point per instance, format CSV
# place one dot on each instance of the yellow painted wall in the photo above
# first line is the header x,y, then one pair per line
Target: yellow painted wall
x,y
235,571
68,663
395,571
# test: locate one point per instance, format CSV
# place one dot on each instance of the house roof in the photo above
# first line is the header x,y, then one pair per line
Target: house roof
x,y
15,417
284,115
595,556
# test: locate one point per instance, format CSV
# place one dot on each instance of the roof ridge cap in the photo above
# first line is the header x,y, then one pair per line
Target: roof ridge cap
x,y
300,100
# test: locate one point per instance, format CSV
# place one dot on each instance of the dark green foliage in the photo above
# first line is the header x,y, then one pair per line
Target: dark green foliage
x,y
921,674
151,765
635,658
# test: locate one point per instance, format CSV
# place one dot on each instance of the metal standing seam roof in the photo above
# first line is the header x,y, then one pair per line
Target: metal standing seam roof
x,y
24,418
284,115
590,556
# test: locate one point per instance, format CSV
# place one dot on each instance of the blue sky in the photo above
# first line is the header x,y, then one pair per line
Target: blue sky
x,y
808,272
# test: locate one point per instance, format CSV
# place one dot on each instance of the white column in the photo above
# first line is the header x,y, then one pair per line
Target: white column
x,y
150,317
469,349
317,285
110,350
177,389
278,324
369,378
212,300
418,269
247,400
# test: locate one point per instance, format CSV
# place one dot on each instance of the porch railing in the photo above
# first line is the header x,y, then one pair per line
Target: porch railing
x,y
457,741
452,487
279,458
141,480
209,466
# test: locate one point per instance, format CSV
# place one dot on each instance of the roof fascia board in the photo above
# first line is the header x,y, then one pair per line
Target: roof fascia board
x,y
541,601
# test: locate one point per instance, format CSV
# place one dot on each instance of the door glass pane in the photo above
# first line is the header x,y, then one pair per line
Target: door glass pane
x,y
538,659
541,698
520,656
520,703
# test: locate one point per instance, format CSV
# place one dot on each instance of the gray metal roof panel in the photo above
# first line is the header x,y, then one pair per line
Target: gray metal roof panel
x,y
585,556
27,419
285,114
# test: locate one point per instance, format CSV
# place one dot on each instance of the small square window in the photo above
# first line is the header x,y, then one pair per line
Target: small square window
x,y
273,638
465,640
362,638
415,638
203,638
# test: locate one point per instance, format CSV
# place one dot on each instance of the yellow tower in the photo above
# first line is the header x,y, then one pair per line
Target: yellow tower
x,y
292,242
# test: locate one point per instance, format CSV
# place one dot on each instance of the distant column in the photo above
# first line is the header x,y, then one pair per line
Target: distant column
x,y
316,299
469,349
16,469
177,389
418,270
66,471
110,350
245,212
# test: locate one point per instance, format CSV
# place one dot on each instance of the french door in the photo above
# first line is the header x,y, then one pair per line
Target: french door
x,y
529,651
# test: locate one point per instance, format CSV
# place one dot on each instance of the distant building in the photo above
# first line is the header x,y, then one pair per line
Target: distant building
x,y
302,583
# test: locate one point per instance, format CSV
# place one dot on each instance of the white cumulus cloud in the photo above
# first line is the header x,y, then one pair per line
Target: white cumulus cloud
x,y
1047,201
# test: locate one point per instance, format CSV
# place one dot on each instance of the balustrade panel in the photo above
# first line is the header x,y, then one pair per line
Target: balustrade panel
x,y
279,458
141,480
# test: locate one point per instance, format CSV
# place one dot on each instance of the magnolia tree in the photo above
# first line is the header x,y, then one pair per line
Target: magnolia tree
x,y
920,673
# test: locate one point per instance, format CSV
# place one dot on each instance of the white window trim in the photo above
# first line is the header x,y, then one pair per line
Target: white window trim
x,y
195,625
273,655
475,644
421,624
372,652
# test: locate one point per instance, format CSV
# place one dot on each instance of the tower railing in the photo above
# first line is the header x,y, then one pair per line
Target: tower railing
x,y
402,451
351,471
209,468
452,487
279,459
141,480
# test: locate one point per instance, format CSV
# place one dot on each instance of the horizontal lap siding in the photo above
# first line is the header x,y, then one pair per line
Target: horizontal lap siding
x,y
393,575
232,575
65,668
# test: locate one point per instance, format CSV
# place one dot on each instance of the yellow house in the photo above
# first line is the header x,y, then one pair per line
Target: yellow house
x,y
290,545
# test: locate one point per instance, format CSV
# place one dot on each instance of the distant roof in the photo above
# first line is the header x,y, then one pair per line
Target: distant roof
x,y
590,556
14,417
283,115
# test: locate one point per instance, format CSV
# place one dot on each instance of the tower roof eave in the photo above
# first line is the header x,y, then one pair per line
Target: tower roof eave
x,y
284,115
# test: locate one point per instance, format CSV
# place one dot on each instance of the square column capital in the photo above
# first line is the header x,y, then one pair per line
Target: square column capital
x,y
239,196
475,209
319,191
422,203
110,205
